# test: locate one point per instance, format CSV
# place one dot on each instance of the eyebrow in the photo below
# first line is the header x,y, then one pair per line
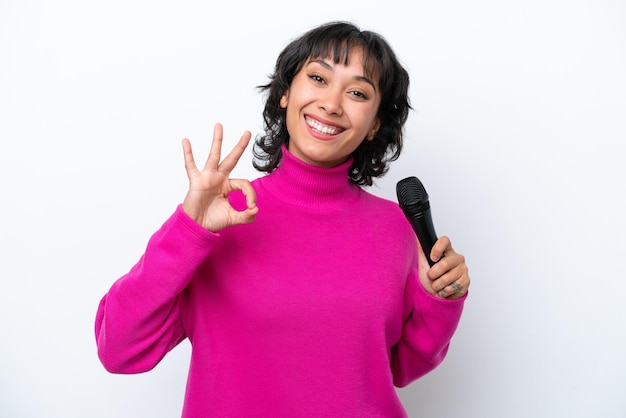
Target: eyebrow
x,y
326,65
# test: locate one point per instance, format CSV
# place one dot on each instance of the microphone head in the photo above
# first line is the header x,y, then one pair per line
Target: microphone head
x,y
412,195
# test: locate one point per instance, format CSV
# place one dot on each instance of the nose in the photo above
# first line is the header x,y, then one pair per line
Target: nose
x,y
330,101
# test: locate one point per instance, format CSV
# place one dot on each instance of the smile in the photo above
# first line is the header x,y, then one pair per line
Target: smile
x,y
321,128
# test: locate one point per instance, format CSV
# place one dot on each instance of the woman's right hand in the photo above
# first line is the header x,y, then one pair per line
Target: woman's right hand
x,y
206,201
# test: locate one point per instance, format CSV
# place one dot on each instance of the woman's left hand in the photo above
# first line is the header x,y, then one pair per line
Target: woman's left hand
x,y
448,278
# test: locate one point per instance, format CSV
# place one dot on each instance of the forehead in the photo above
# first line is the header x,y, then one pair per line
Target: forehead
x,y
347,54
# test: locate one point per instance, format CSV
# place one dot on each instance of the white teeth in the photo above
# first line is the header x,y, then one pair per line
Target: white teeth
x,y
323,129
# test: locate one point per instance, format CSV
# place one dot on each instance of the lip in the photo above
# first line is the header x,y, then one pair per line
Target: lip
x,y
308,119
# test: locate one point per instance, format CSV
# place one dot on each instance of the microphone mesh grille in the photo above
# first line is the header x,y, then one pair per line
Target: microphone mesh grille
x,y
411,192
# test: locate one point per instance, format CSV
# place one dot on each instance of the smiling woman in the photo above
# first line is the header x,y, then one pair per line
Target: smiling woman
x,y
355,82
286,317
331,110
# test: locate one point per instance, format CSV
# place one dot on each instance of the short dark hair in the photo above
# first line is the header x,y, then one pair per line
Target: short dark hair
x,y
334,40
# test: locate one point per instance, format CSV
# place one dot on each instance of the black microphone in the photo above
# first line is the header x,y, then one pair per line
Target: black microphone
x,y
413,201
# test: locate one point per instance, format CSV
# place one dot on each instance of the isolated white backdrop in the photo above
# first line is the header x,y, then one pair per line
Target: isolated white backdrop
x,y
518,134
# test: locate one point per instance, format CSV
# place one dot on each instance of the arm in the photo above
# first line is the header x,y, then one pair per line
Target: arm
x,y
434,299
138,320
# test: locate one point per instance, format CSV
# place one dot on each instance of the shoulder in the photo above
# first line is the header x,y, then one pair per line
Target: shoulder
x,y
381,204
387,212
387,227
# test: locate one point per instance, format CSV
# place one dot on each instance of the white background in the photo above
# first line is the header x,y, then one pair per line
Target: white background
x,y
518,134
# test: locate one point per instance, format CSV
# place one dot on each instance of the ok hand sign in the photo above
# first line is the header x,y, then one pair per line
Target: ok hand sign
x,y
206,201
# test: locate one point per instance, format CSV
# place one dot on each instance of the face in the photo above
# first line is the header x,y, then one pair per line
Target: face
x,y
331,109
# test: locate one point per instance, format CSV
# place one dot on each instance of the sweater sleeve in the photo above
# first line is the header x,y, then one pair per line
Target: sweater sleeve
x,y
426,334
138,320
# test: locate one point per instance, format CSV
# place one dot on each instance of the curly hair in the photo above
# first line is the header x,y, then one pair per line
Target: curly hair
x,y
335,40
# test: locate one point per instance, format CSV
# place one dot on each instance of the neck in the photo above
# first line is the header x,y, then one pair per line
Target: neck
x,y
306,185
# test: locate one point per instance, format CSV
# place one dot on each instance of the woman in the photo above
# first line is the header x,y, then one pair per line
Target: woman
x,y
301,293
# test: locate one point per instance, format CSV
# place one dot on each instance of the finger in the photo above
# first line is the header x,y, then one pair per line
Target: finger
x,y
454,290
441,247
246,188
190,164
445,264
215,154
232,158
455,281
452,276
248,215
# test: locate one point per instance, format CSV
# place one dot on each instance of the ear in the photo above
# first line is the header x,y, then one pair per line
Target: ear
x,y
284,100
372,133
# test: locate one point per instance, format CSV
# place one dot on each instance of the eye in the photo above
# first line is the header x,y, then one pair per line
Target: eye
x,y
317,78
359,94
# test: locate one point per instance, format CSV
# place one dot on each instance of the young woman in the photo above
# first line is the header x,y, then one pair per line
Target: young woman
x,y
302,294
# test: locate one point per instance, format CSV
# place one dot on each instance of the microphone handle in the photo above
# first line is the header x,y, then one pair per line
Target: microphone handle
x,y
422,224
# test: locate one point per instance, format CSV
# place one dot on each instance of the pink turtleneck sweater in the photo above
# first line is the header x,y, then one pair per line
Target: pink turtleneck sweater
x,y
313,310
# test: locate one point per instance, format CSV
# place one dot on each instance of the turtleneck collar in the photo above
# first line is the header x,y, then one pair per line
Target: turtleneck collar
x,y
301,184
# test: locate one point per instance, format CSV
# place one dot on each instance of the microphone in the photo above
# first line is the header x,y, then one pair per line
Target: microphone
x,y
413,200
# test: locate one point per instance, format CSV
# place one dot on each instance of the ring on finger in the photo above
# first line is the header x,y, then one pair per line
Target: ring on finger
x,y
455,288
